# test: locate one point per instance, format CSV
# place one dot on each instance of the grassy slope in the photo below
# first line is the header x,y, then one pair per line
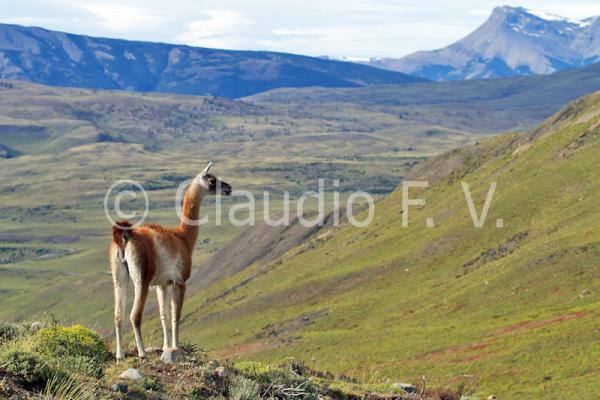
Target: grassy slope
x,y
511,311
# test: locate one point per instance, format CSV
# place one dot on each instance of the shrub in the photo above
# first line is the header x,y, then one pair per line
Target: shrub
x,y
82,365
294,366
150,384
56,353
243,389
75,341
8,332
25,365
198,393
286,381
214,383
251,368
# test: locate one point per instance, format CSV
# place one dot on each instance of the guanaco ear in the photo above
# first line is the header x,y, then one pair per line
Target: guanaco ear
x,y
205,171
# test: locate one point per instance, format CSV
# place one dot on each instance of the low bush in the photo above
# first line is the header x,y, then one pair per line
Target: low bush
x,y
288,380
9,331
151,384
65,357
82,365
251,368
68,342
241,388
26,365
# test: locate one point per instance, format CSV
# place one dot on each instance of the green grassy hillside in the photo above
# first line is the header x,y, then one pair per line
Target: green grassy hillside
x,y
510,311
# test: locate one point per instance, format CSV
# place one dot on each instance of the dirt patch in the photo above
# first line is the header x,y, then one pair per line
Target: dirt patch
x,y
494,254
534,324
284,327
561,118
572,251
449,352
12,388
273,336
584,138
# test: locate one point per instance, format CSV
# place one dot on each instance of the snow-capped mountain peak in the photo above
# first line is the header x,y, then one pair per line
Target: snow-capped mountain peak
x,y
513,41
547,16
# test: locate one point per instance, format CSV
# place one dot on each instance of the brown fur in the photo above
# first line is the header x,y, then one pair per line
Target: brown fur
x,y
121,233
179,241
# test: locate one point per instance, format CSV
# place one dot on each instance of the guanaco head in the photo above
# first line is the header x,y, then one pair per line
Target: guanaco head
x,y
211,185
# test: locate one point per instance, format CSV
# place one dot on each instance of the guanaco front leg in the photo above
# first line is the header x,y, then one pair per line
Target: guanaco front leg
x,y
163,294
176,306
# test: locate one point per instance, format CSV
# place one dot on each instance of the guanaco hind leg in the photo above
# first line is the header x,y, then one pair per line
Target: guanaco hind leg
x,y
139,300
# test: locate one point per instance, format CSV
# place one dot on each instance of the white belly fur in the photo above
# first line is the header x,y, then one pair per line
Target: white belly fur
x,y
167,267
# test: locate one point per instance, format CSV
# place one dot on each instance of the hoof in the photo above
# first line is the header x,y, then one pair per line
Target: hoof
x,y
169,356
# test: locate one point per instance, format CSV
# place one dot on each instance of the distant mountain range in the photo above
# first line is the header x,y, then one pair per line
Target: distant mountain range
x,y
61,59
479,105
513,41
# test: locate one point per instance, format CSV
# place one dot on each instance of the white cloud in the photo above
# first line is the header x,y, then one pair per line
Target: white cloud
x,y
358,28
123,18
282,32
29,21
364,41
219,28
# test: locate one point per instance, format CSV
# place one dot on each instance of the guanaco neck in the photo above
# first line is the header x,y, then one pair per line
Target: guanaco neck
x,y
191,213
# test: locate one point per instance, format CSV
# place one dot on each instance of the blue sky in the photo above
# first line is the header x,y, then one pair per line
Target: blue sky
x,y
376,28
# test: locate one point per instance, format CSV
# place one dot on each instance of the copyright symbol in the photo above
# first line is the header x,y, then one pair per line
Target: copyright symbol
x,y
120,197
